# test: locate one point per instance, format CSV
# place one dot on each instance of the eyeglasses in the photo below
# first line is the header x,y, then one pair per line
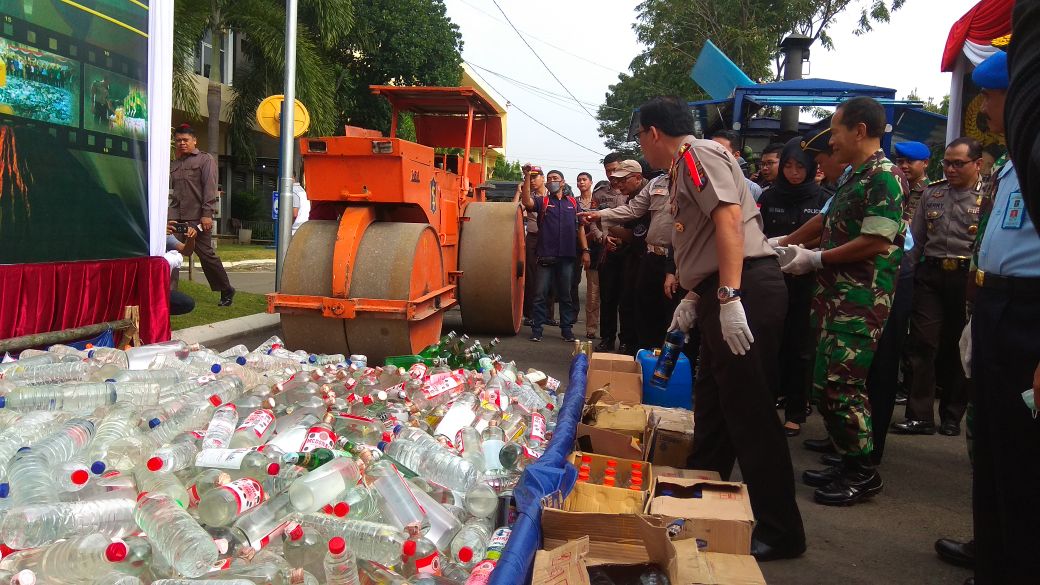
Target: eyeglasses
x,y
180,140
957,164
642,131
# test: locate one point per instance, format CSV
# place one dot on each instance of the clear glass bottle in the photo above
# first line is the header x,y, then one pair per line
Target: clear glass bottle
x,y
340,565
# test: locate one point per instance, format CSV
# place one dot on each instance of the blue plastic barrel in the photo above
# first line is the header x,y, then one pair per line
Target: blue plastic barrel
x,y
678,394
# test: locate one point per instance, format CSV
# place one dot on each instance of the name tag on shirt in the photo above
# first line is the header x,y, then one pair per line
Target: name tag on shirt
x,y
1013,215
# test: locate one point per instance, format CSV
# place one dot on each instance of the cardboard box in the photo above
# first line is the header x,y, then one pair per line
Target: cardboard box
x,y
621,373
613,429
613,539
595,440
671,436
563,565
717,513
665,471
707,568
589,497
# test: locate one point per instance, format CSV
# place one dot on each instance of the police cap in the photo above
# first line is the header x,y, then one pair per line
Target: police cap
x,y
818,140
993,72
912,151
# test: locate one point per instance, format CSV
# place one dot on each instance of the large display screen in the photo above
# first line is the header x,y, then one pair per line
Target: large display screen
x,y
73,129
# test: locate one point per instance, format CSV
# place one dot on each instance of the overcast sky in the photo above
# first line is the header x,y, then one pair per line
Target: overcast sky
x,y
587,43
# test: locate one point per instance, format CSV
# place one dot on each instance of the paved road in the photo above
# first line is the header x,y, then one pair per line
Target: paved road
x,y
886,541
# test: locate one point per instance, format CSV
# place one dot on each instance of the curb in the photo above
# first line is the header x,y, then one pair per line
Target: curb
x,y
223,332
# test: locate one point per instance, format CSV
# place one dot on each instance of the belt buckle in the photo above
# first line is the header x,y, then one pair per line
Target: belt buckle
x,y
950,264
980,277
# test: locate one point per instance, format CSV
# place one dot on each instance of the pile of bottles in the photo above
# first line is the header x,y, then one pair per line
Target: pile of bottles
x,y
632,478
174,464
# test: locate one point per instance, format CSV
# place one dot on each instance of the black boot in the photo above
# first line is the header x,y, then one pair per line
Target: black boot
x,y
819,445
819,478
957,553
857,482
607,345
830,459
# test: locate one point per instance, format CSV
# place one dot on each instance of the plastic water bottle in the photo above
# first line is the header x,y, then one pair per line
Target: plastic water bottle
x,y
71,561
240,462
38,524
82,397
173,457
304,549
470,544
372,541
420,558
222,505
393,494
340,566
202,582
30,428
373,573
438,465
317,488
139,357
256,528
221,427
670,350
54,373
167,484
254,430
175,535
116,578
70,476
31,474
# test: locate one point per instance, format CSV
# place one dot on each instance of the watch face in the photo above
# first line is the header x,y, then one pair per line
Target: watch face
x,y
725,292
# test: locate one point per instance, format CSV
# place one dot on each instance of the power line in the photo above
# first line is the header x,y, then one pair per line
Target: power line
x,y
535,88
540,60
537,121
543,41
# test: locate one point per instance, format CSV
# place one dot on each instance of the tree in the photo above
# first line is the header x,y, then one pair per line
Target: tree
x,y
506,171
321,25
943,107
748,31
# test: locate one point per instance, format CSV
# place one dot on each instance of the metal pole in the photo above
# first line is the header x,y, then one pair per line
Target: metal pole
x,y
285,164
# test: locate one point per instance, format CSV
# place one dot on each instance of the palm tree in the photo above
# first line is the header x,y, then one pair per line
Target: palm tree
x,y
322,24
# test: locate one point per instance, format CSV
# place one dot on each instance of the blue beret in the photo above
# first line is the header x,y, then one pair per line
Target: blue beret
x,y
912,151
992,73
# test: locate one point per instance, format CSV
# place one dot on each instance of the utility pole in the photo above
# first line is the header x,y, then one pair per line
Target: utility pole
x,y
288,143
796,51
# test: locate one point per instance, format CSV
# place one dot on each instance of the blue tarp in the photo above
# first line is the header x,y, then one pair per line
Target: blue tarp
x,y
551,473
106,339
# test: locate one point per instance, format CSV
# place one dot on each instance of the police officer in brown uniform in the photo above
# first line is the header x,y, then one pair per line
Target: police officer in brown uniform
x,y
738,298
193,179
944,228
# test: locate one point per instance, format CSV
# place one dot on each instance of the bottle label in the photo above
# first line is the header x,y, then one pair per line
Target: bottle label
x,y
258,421
439,384
221,458
552,384
481,574
537,427
318,437
218,431
417,371
247,491
430,565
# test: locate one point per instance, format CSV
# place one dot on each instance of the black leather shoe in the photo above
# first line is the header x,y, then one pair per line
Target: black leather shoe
x,y
605,345
792,432
914,427
950,429
226,297
819,445
830,459
626,349
961,554
822,477
766,552
856,484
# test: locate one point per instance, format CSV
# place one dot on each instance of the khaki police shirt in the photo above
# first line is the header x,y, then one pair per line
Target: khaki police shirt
x,y
693,236
946,221
653,198
193,179
608,199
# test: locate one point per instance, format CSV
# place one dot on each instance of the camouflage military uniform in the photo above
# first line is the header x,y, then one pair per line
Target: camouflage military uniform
x,y
853,300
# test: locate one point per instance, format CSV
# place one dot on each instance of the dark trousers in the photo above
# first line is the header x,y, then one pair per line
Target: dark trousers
x,y
211,265
575,298
797,349
180,303
653,310
883,379
936,324
556,277
611,290
629,332
1006,486
531,282
735,418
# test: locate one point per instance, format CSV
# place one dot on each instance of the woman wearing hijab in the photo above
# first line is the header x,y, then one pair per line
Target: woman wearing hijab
x,y
794,199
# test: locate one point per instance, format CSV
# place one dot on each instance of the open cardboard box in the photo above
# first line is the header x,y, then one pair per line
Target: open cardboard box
x,y
707,568
590,497
613,539
611,428
621,372
716,513
671,436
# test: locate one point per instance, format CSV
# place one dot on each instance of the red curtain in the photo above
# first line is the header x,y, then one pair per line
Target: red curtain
x,y
36,298
988,20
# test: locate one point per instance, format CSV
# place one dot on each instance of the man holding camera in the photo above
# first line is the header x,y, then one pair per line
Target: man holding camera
x,y
193,182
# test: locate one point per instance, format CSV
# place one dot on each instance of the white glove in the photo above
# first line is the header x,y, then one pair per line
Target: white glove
x,y
684,316
775,242
798,260
735,328
965,345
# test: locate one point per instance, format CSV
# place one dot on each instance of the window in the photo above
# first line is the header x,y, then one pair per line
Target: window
x,y
204,56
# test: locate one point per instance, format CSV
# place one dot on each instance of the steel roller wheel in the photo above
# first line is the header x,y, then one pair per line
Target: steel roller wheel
x,y
308,271
491,258
395,261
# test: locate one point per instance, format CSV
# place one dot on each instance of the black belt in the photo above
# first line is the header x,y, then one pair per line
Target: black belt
x,y
948,264
1007,283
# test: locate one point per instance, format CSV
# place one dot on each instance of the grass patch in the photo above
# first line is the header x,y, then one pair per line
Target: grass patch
x,y
232,252
206,309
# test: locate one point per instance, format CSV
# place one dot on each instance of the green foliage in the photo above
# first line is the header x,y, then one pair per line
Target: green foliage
x,y
748,31
250,206
506,171
943,107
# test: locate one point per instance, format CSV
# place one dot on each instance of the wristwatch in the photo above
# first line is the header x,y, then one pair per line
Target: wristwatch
x,y
727,293
585,250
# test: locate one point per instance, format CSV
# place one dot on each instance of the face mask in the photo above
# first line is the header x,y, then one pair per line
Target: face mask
x,y
554,187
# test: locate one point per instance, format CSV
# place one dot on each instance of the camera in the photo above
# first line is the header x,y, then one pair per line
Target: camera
x,y
180,228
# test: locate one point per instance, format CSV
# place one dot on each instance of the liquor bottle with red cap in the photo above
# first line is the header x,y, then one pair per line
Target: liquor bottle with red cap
x,y
340,564
240,462
224,504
